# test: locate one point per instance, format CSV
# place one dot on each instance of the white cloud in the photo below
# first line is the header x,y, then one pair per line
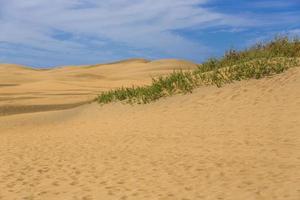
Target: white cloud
x,y
137,23
147,25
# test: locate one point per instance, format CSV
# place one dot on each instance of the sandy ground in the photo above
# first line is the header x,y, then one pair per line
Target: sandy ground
x,y
24,89
237,142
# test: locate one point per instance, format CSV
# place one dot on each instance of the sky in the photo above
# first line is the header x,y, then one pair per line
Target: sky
x,y
47,33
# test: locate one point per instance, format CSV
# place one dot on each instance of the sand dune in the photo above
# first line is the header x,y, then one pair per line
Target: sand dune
x,y
237,142
25,89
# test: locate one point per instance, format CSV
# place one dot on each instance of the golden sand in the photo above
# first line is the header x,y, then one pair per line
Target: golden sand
x,y
24,89
238,142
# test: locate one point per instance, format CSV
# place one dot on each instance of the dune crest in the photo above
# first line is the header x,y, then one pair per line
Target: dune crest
x,y
237,142
26,89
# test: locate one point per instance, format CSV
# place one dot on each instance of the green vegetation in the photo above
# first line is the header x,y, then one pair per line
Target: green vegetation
x,y
256,62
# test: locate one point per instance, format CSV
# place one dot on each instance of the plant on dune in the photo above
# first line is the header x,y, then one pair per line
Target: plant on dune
x,y
259,61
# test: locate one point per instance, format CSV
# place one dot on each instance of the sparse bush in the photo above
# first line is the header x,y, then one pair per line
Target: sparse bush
x,y
257,62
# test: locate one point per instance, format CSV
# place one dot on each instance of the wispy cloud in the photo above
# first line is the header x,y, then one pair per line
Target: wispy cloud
x,y
82,31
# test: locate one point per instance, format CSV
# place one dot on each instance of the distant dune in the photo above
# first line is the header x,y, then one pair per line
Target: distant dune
x,y
25,89
238,142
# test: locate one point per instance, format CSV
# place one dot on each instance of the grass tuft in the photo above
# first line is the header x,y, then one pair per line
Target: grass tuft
x,y
261,60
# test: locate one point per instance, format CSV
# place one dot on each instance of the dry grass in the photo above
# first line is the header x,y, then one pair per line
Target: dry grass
x,y
259,61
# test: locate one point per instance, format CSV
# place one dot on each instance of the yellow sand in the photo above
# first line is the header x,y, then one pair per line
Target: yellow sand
x,y
23,89
238,142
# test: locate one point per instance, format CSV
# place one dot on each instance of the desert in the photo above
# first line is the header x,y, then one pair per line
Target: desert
x,y
149,100
239,141
25,89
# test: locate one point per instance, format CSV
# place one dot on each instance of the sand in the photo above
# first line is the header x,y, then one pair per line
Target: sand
x,y
24,89
237,142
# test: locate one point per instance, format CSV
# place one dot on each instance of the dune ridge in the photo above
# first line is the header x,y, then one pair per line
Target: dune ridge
x,y
240,141
41,89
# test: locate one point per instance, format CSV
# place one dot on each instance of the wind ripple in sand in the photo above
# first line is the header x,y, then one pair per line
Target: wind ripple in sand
x,y
65,87
236,142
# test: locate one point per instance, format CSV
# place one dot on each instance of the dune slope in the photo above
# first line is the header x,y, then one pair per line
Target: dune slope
x,y
24,89
237,142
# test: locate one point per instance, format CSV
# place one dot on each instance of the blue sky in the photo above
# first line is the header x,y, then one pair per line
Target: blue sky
x,y
43,33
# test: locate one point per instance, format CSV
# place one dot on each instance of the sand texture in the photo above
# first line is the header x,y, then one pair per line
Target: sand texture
x,y
24,90
238,142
